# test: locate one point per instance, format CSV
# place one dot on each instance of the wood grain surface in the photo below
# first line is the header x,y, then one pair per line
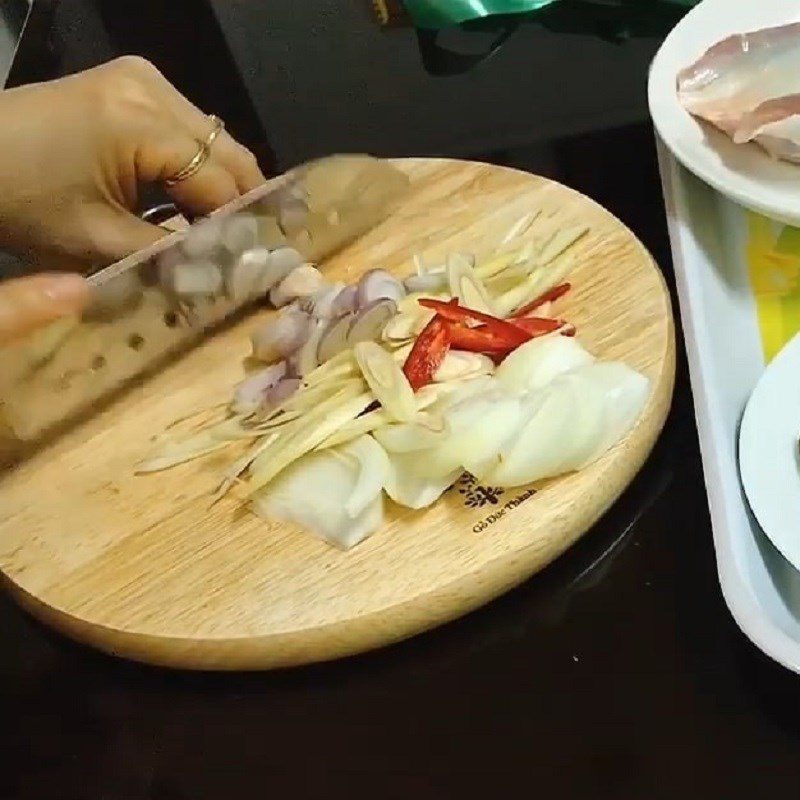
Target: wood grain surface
x,y
142,567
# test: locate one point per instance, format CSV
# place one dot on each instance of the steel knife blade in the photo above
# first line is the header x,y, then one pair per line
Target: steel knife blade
x,y
156,303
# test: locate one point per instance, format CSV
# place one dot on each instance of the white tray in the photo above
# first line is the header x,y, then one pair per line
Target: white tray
x,y
727,350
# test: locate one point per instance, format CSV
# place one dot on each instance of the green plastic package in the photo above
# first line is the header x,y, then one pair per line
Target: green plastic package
x,y
612,20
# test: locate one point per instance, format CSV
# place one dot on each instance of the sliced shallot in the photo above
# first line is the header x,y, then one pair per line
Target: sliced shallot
x,y
281,336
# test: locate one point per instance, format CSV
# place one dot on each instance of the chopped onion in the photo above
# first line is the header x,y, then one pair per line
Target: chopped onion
x,y
309,493
250,393
281,335
303,281
378,284
386,380
408,488
405,437
372,474
369,322
535,363
479,427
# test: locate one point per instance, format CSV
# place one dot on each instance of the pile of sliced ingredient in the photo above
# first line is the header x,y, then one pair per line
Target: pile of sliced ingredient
x,y
397,388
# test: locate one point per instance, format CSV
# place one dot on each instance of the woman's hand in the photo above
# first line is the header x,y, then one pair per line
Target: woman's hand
x,y
29,303
73,152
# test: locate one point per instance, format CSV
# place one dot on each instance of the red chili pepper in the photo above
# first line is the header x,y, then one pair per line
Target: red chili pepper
x,y
480,340
513,335
538,326
549,296
427,354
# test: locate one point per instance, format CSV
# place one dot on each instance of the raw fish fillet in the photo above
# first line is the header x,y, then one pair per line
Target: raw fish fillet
x,y
748,86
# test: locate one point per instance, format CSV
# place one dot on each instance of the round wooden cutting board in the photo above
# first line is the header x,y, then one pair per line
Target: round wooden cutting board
x,y
142,567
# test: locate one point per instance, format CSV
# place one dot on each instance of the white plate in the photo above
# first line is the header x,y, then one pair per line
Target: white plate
x,y
768,452
744,173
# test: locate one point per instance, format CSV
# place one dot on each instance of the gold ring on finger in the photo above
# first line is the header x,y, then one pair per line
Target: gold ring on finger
x,y
200,157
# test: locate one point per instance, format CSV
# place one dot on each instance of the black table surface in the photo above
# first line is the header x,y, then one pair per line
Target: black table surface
x,y
617,672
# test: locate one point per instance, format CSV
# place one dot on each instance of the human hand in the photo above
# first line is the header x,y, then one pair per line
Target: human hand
x,y
30,303
73,153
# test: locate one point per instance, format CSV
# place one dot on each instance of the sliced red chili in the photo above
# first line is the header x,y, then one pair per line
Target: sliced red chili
x,y
512,334
427,354
538,326
549,296
480,340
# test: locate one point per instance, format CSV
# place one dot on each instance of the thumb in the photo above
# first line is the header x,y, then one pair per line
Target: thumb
x,y
29,303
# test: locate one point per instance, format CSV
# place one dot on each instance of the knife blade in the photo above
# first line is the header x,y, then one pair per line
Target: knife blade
x,y
157,303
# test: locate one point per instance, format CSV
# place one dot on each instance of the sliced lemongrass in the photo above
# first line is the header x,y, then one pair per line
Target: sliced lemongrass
x,y
340,364
496,265
467,286
563,239
366,423
175,453
386,380
320,424
519,227
235,470
538,282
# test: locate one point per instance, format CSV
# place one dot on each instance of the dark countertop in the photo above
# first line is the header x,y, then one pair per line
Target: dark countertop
x,y
617,672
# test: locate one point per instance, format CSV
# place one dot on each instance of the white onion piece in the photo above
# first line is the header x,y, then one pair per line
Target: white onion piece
x,y
203,238
373,471
239,233
408,488
310,493
281,335
370,321
378,284
197,279
535,363
408,437
625,393
303,281
345,302
251,393
426,282
536,450
479,427
278,264
334,339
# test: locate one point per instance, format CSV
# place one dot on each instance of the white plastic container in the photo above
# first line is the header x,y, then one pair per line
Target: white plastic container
x,y
712,250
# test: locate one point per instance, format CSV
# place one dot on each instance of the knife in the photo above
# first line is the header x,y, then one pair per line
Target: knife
x,y
157,303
